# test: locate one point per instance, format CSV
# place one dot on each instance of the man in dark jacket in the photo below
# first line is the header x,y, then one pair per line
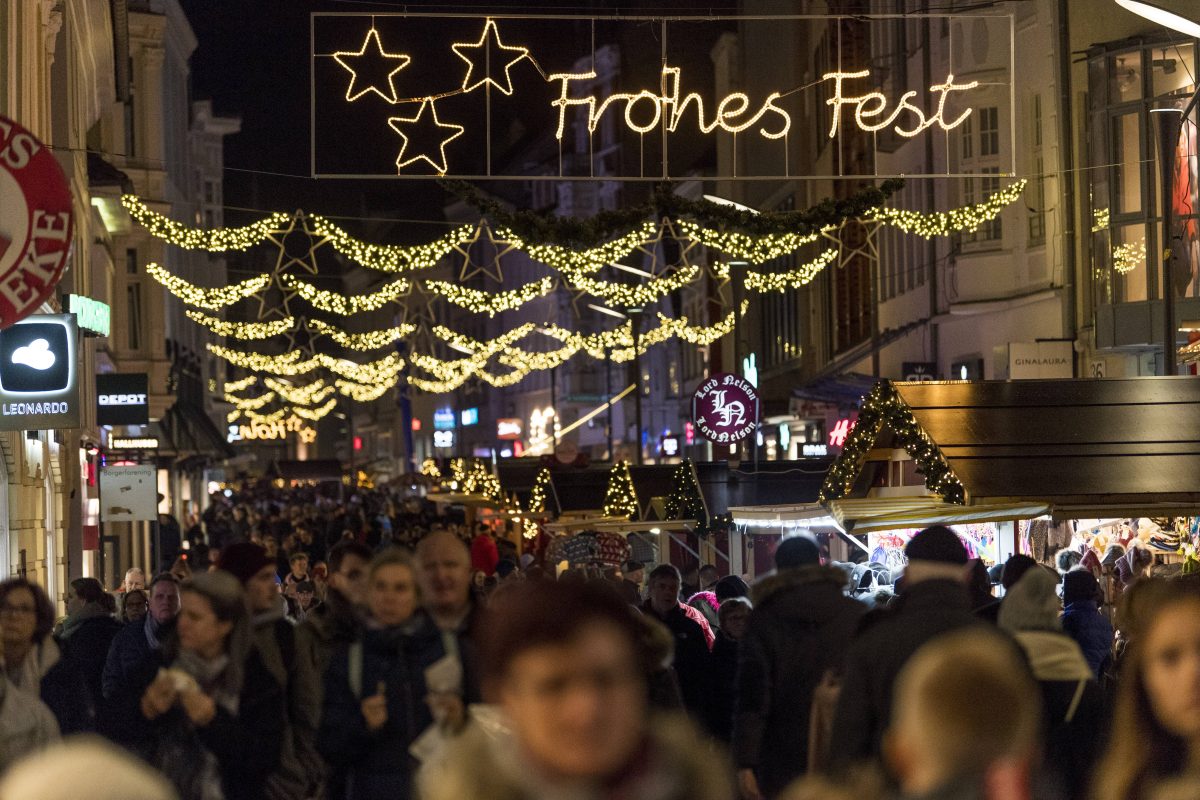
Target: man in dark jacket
x,y
134,659
1083,622
801,626
691,634
933,601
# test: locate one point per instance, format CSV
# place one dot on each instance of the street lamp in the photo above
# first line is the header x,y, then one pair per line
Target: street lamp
x,y
634,315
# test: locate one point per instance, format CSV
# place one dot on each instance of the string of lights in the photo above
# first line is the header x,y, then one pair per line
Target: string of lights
x,y
242,330
336,303
639,294
942,223
480,302
362,393
239,385
371,340
791,279
387,257
307,395
201,297
217,240
249,403
755,249
314,414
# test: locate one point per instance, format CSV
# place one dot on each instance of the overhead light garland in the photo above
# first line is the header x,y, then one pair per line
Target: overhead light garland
x,y
575,262
336,303
242,330
307,395
201,297
390,258
943,223
315,414
884,406
489,303
637,294
620,499
239,385
274,416
217,240
362,393
791,279
755,249
371,340
249,403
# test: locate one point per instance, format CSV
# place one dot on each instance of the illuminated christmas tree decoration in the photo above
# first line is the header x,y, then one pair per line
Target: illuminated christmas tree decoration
x,y
620,499
371,340
1129,256
540,493
242,330
390,258
488,303
942,223
336,303
480,50
217,241
349,61
873,104
211,299
398,123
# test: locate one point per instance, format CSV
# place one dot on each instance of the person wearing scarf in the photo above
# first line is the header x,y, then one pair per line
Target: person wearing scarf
x,y
375,703
34,661
88,632
214,718
1072,703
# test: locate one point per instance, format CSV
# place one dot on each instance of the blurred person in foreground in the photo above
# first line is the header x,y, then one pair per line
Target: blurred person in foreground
x,y
933,601
571,689
84,767
1072,704
1154,748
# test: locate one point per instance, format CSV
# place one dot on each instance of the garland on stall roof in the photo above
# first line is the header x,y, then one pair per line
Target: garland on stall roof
x,y
537,228
684,501
884,406
620,499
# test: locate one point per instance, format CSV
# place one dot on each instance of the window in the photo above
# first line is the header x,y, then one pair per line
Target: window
x,y
131,261
968,139
133,307
989,131
1037,203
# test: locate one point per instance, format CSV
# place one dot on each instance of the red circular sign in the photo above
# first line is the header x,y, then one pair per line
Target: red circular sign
x,y
725,408
36,222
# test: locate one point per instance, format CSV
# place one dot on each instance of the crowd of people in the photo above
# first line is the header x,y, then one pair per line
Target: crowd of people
x,y
305,647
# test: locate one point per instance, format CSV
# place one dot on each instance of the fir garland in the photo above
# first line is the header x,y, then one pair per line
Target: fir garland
x,y
885,406
537,228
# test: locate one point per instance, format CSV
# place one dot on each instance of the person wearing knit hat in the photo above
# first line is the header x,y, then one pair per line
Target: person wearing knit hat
x,y
731,586
933,601
244,560
797,551
1083,622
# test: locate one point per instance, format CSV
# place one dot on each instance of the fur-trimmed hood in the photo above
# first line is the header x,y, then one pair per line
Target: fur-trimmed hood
x,y
770,587
485,765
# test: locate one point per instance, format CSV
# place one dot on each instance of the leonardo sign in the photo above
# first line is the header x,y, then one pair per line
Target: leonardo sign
x,y
38,374
35,222
725,408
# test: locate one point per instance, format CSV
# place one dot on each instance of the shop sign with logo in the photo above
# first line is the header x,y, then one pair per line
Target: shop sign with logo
x,y
122,398
508,428
443,440
443,419
128,493
919,371
1032,360
469,416
669,445
133,443
725,408
94,317
36,222
841,431
38,374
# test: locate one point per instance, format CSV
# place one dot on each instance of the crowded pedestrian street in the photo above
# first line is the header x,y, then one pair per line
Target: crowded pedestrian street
x,y
657,401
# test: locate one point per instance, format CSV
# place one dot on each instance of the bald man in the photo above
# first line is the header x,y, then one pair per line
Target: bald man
x,y
444,576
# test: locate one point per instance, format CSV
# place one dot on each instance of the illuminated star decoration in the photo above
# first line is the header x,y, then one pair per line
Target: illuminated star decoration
x,y
433,128
307,261
349,60
488,41
487,262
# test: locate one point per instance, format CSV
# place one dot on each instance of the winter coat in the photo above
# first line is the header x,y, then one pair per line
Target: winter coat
x,y
300,768
674,764
1084,623
86,640
47,674
246,744
130,667
923,611
484,554
1073,711
724,687
692,658
26,724
377,763
801,626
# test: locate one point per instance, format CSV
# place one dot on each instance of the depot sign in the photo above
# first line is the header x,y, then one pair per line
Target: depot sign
x,y
39,387
36,223
121,399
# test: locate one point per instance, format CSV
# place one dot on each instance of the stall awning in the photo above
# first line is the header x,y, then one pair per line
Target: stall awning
x,y
1121,447
807,515
873,514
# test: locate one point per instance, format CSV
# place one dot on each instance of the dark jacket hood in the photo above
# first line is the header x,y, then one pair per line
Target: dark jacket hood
x,y
808,594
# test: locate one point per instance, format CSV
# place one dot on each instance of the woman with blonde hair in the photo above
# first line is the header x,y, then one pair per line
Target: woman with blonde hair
x,y
1155,737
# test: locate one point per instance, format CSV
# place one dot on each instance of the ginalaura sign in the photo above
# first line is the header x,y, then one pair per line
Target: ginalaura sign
x,y
471,97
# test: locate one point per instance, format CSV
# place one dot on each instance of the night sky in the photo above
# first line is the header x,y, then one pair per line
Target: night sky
x,y
253,62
